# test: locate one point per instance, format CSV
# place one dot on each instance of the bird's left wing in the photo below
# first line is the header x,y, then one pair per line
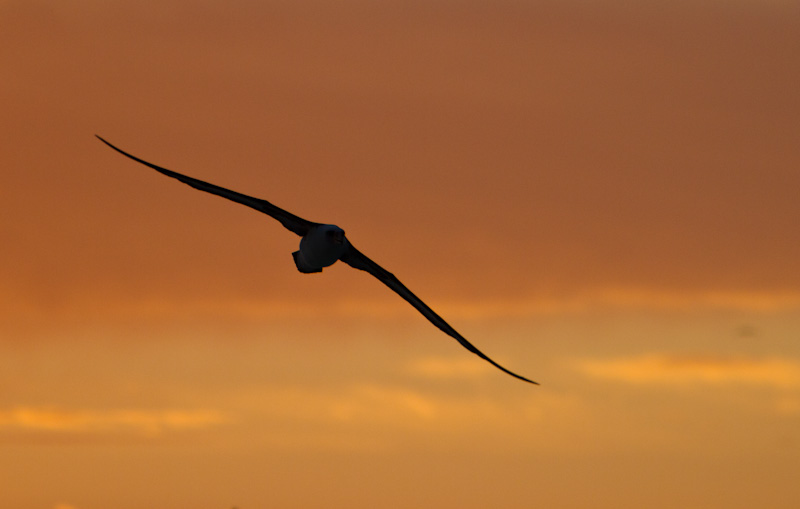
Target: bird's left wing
x,y
359,260
292,222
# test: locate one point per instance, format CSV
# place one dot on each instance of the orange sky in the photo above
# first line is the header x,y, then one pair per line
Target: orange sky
x,y
600,196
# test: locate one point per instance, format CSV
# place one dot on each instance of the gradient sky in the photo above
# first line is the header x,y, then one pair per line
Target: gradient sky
x,y
600,195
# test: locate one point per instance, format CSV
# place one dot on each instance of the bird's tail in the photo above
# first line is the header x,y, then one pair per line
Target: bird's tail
x,y
302,266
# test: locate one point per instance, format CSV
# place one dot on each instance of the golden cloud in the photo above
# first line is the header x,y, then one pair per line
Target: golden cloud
x,y
445,367
260,309
147,422
672,369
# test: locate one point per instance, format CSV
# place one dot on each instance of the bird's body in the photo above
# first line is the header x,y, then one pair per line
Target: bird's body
x,y
322,245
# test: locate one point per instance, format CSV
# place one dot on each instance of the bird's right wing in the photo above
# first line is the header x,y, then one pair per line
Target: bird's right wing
x,y
292,222
359,260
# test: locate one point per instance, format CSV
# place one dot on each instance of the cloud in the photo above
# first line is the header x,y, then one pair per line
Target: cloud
x,y
355,404
145,422
682,369
378,403
448,368
16,311
375,415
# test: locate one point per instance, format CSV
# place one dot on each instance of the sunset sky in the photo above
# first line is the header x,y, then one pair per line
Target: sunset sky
x,y
601,195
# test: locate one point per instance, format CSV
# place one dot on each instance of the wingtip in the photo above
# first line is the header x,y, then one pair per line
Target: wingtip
x,y
114,147
527,380
104,141
518,377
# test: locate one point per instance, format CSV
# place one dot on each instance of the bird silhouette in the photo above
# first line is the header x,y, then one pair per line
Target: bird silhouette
x,y
321,245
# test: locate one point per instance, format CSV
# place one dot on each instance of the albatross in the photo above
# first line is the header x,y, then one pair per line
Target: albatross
x,y
321,245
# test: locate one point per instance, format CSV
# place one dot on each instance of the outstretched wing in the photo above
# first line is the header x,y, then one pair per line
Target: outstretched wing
x,y
292,223
359,260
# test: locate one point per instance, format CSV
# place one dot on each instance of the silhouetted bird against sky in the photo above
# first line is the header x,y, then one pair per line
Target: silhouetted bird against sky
x,y
320,246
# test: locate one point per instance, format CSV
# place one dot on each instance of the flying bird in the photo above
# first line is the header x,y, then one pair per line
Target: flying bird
x,y
321,245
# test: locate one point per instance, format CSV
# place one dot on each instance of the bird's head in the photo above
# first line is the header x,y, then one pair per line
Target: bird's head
x,y
334,235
